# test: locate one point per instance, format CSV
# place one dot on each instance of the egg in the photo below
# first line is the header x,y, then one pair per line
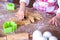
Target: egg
x,y
47,34
36,34
53,38
40,38
43,38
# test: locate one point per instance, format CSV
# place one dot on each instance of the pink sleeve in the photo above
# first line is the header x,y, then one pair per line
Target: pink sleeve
x,y
58,11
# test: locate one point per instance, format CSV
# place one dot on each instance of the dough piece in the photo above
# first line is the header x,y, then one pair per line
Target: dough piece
x,y
14,19
34,15
31,18
20,23
37,16
27,21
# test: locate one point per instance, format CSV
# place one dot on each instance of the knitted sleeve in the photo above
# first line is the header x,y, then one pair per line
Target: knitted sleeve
x,y
26,1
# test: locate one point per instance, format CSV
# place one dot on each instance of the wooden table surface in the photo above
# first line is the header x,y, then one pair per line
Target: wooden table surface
x,y
40,25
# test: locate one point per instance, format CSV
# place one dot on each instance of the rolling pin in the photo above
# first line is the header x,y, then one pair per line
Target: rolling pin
x,y
2,38
20,36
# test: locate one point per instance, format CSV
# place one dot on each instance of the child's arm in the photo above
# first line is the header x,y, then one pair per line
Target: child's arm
x,y
56,20
21,11
23,4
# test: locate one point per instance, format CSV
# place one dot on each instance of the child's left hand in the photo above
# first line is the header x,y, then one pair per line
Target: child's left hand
x,y
20,15
55,20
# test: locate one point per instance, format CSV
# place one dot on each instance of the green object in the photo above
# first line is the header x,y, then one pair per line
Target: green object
x,y
9,27
10,6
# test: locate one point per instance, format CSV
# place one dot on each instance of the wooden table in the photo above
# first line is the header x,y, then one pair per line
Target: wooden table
x,y
40,25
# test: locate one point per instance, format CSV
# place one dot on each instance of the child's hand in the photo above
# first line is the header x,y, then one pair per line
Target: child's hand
x,y
20,15
21,11
55,20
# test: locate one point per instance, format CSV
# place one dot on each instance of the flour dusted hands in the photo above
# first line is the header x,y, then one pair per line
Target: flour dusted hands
x,y
55,20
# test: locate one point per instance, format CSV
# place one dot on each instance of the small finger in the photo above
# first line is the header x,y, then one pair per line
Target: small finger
x,y
50,21
56,24
53,22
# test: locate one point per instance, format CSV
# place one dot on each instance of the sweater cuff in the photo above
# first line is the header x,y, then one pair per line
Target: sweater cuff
x,y
26,1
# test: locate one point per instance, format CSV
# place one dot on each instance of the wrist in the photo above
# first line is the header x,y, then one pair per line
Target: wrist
x,y
22,10
22,6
